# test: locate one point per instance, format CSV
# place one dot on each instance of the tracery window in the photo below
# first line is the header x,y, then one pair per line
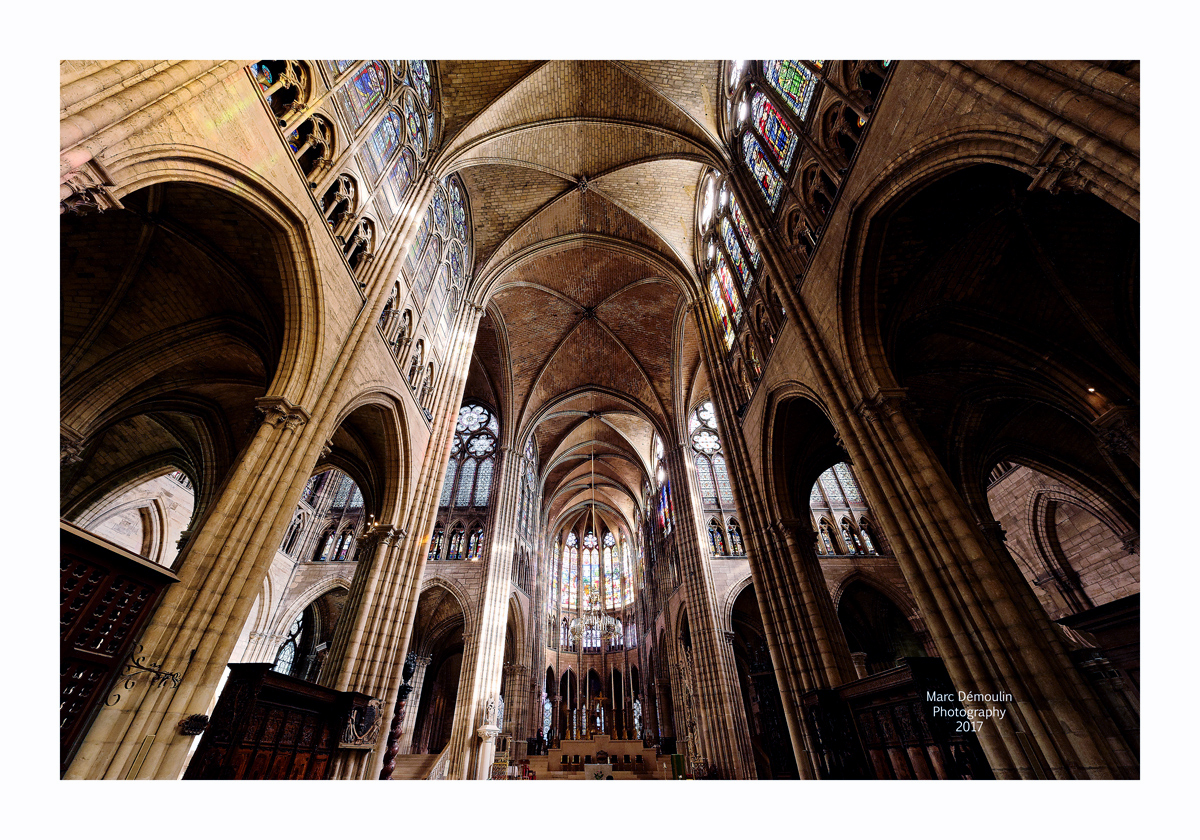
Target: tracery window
x,y
285,658
827,538
627,571
665,506
711,472
868,540
850,538
570,573
456,543
438,263
729,254
736,546
768,100
435,542
359,95
612,578
716,538
589,575
472,458
475,544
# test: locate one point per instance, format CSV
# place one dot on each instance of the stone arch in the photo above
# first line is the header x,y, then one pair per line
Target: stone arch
x,y
303,298
789,475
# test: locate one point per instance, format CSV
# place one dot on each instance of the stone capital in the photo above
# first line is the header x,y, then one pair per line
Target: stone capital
x,y
279,411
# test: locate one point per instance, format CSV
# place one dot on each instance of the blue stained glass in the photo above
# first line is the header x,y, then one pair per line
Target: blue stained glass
x,y
382,144
735,254
456,265
725,491
744,229
794,81
781,139
341,65
397,182
420,77
483,484
412,120
262,75
708,490
441,219
764,175
433,253
360,95
458,212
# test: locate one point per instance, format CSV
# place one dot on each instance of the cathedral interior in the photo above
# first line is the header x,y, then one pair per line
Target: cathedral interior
x,y
530,420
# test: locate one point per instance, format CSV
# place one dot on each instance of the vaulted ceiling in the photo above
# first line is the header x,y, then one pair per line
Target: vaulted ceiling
x,y
582,178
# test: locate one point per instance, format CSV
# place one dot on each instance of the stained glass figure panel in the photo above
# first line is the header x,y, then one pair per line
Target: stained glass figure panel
x,y
727,291
794,82
458,212
714,292
360,95
735,255
419,69
762,171
441,216
744,229
612,581
779,136
412,122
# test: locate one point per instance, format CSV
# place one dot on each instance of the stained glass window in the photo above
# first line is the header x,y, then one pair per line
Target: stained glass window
x,y
724,491
568,577
727,291
744,229
627,571
483,483
383,142
794,82
420,77
736,546
466,483
735,254
830,485
456,265
412,121
414,251
848,538
360,95
714,291
612,580
441,217
866,535
764,174
398,180
458,212
547,709
829,549
285,659
435,543
708,490
815,497
779,136
456,544
475,545
848,483
716,537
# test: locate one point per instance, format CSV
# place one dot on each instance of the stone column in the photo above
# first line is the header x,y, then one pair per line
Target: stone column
x,y
404,745
472,753
721,715
985,620
805,639
196,628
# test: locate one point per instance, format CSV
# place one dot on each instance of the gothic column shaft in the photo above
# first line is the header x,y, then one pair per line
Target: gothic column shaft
x,y
471,757
717,692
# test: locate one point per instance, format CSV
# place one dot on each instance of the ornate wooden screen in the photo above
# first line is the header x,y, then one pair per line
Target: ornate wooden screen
x,y
106,596
270,726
